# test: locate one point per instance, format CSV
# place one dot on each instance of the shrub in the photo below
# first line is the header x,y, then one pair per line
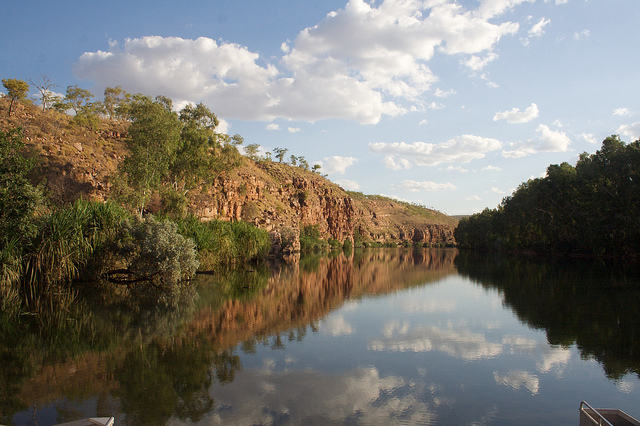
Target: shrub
x,y
310,239
223,243
156,261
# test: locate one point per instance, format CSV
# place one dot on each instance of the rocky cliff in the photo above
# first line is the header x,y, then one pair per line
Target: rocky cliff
x,y
282,198
75,162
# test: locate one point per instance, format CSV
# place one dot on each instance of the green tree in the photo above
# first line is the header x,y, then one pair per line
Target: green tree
x,y
203,154
19,199
114,100
303,163
153,140
252,151
16,90
77,97
316,168
280,153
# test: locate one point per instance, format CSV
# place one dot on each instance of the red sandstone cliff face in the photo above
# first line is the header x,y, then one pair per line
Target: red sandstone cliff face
x,y
285,199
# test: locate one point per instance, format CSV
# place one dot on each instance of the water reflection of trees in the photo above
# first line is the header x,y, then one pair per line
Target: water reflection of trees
x,y
157,365
591,304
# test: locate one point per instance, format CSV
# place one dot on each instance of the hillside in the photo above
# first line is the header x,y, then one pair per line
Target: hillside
x,y
76,162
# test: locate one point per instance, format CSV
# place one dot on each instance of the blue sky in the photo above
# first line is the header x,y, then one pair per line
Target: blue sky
x,y
447,104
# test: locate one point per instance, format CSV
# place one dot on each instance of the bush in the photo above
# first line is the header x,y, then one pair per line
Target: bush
x,y
310,240
223,243
155,261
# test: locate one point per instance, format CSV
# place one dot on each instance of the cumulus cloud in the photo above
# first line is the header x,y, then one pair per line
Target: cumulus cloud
x,y
427,306
549,141
273,126
459,169
460,150
415,186
621,111
337,164
265,397
391,163
517,379
383,69
293,129
350,185
631,130
516,116
476,63
462,344
589,137
491,168
337,326
443,94
537,30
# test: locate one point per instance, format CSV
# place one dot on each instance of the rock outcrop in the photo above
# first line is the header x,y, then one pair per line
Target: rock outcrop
x,y
285,199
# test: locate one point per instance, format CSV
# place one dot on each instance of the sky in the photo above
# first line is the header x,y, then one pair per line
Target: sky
x,y
448,104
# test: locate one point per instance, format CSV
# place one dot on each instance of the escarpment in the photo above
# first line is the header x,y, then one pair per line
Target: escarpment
x,y
285,199
75,162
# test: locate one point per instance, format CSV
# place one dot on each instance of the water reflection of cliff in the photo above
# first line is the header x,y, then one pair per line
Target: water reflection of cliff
x,y
589,304
161,374
298,295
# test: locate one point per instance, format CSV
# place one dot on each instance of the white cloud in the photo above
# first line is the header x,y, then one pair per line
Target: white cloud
x,y
391,164
382,71
621,111
631,130
293,129
461,150
337,326
415,186
515,116
457,169
474,198
223,126
349,185
337,164
442,94
273,126
261,396
429,306
491,168
555,358
537,30
497,190
589,137
476,63
423,122
581,35
517,379
462,344
549,141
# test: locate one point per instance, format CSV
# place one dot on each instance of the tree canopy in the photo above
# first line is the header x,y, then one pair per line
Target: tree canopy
x,y
16,90
592,208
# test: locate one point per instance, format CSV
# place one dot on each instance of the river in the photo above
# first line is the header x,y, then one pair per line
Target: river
x,y
385,336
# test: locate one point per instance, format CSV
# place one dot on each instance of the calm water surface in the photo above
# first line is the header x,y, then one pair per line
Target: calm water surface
x,y
380,337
